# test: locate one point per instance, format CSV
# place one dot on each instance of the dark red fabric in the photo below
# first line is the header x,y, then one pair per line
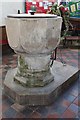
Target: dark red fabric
x,y
3,42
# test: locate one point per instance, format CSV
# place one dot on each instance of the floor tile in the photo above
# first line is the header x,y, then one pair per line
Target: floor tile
x,y
35,115
77,117
74,93
0,109
60,109
0,117
68,114
78,114
69,97
20,115
33,108
66,103
4,97
10,113
5,107
55,115
27,112
76,101
74,108
79,102
57,108
43,111
8,101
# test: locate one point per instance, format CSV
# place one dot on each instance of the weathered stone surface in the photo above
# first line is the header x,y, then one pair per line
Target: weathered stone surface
x,y
34,35
33,38
63,78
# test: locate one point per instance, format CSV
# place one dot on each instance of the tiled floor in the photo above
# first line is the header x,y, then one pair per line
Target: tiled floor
x,y
66,106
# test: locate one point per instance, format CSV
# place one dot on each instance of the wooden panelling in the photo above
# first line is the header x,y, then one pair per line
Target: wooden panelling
x,y
4,46
3,35
76,23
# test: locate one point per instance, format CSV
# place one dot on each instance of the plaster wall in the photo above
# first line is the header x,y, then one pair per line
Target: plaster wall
x,y
10,7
